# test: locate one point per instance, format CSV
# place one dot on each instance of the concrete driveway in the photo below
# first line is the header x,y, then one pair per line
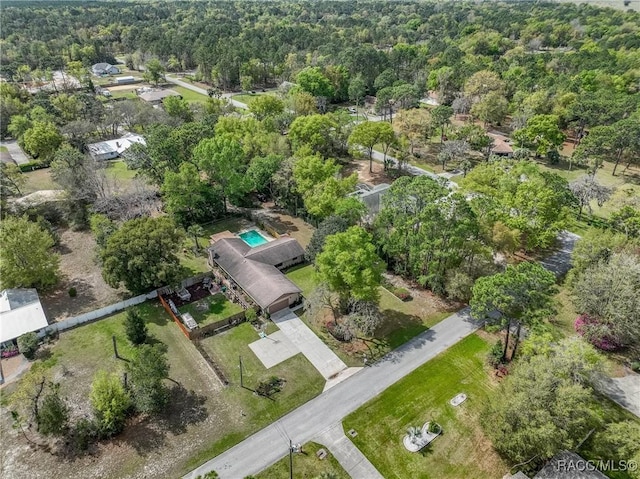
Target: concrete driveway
x,y
19,156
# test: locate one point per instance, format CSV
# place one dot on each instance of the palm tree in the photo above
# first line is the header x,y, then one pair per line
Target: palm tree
x,y
195,231
414,433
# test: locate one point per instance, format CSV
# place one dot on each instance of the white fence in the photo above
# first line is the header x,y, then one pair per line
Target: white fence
x,y
96,314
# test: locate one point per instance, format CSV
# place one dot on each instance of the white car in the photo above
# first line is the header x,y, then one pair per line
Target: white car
x,y
352,110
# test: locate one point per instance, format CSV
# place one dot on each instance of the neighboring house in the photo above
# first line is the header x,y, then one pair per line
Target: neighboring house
x,y
258,270
20,313
156,97
110,149
100,69
501,145
371,196
565,465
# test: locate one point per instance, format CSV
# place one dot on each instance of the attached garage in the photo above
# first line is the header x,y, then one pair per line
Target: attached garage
x,y
279,305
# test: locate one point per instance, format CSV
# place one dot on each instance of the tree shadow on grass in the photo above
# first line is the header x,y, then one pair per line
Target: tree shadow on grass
x,y
216,306
185,408
144,436
397,328
155,313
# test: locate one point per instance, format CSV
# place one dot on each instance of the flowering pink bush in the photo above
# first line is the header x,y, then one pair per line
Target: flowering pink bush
x,y
595,332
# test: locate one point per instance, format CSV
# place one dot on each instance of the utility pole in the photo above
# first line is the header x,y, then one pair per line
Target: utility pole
x,y
115,347
290,459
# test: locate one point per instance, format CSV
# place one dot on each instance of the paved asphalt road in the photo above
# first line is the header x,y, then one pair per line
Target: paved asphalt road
x,y
197,89
272,443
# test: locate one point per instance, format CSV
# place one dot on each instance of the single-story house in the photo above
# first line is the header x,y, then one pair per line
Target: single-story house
x,y
371,196
501,145
20,313
125,80
156,97
258,270
110,149
100,69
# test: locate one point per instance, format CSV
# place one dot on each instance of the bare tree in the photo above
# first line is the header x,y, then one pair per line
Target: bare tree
x,y
587,189
453,150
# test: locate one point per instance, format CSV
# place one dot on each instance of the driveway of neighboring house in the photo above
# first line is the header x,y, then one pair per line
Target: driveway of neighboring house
x,y
16,152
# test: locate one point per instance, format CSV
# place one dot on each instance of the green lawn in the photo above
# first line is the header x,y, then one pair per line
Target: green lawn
x,y
4,149
190,95
211,309
624,186
306,465
202,414
128,94
462,450
302,383
305,278
402,321
38,180
117,169
246,98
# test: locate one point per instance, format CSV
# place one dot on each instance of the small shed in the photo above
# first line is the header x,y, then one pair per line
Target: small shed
x,y
125,80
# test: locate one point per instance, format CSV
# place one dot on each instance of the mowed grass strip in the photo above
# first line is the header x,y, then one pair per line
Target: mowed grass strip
x,y
190,95
306,465
462,450
211,309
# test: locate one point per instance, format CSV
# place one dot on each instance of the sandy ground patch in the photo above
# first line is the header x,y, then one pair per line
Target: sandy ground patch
x,y
79,269
361,167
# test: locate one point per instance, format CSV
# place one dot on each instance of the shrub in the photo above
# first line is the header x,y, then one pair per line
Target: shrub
x,y
434,427
28,345
269,387
401,293
494,356
73,292
83,433
596,332
135,327
635,365
251,315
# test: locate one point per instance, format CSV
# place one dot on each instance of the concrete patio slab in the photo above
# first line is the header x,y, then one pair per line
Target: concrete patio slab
x,y
274,349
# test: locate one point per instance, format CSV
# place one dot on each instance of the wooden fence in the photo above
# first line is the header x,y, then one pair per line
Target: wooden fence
x,y
175,318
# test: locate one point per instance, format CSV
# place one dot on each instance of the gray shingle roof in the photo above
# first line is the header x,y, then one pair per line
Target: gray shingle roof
x,y
276,252
157,95
253,268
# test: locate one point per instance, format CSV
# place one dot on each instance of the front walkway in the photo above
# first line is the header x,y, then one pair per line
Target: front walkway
x,y
317,352
347,454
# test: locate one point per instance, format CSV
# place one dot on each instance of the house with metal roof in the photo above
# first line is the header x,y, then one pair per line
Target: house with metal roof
x,y
258,270
110,149
20,313
100,69
156,97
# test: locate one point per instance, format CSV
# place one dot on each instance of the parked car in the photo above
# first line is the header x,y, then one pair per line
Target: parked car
x,y
352,110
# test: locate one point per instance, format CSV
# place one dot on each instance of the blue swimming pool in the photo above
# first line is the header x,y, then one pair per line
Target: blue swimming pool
x,y
253,238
